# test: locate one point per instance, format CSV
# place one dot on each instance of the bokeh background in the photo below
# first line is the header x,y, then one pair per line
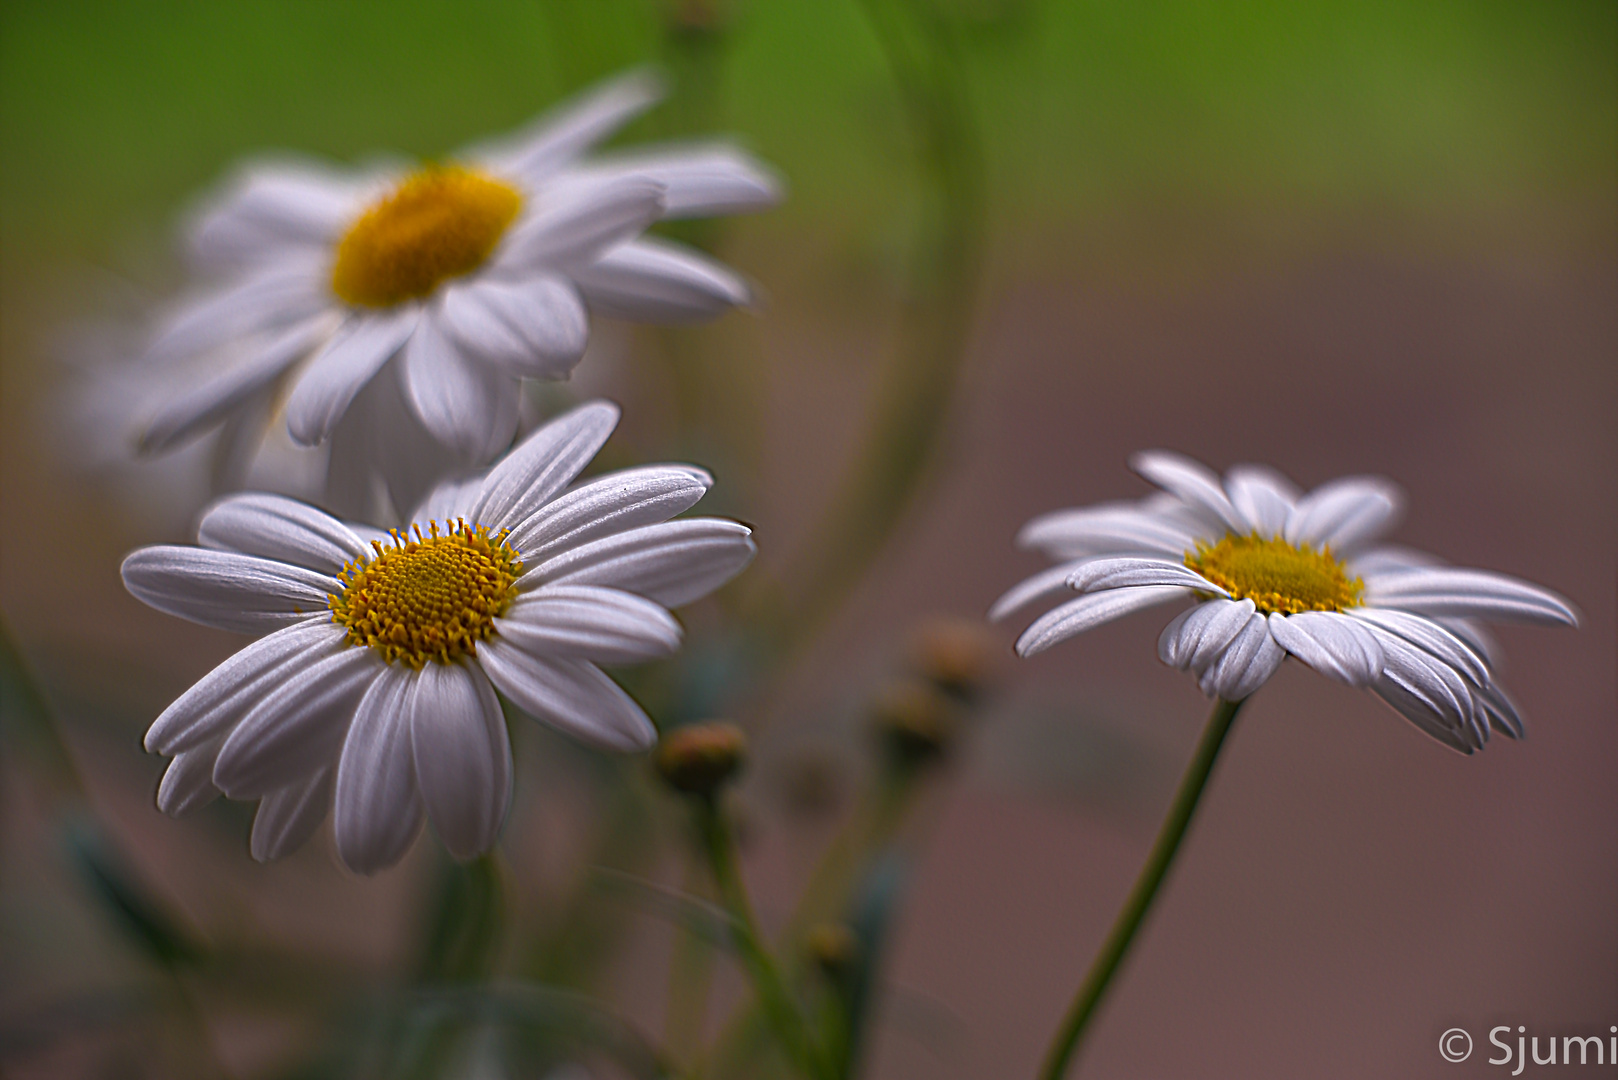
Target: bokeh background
x,y
1336,237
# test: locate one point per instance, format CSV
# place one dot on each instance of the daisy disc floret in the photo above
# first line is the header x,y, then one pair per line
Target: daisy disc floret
x,y
1275,572
374,687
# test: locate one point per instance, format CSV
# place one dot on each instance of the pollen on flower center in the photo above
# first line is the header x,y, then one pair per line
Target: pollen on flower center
x,y
430,597
1277,576
439,223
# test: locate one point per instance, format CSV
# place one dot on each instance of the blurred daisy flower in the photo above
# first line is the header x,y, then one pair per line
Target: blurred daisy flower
x,y
373,689
1277,573
394,312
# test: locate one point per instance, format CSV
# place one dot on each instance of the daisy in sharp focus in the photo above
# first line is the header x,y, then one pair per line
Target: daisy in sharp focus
x,y
373,691
393,313
1275,573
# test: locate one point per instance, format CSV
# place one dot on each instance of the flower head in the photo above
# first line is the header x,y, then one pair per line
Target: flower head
x,y
373,689
394,310
1275,573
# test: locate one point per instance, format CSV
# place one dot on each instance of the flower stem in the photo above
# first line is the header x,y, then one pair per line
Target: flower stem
x,y
1107,961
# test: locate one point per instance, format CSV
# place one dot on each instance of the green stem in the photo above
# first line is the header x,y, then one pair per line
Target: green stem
x,y
1107,961
776,1000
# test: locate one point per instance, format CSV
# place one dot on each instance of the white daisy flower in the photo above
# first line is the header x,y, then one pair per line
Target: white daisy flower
x,y
377,309
373,689
1278,573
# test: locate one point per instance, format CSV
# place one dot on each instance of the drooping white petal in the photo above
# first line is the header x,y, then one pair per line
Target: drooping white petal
x,y
610,504
574,126
457,398
351,359
1500,710
570,228
1198,635
1447,590
289,816
1427,679
298,726
377,811
462,755
221,697
1128,571
1087,612
285,530
534,326
1344,514
1041,586
673,563
284,291
270,206
187,783
698,180
571,695
1332,643
1262,496
226,590
1430,636
1111,528
606,626
1193,483
1245,664
543,464
652,280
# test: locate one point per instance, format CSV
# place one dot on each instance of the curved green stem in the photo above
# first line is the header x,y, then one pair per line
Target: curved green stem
x,y
1107,961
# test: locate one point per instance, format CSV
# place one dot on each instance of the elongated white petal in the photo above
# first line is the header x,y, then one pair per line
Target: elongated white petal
x,y
653,280
1087,612
462,755
1198,635
610,504
1193,483
1332,643
1262,496
270,298
187,783
376,811
672,563
1426,678
289,816
456,398
1419,712
270,206
543,464
285,530
1111,528
1387,559
577,124
1041,586
570,695
1245,664
534,326
1446,590
606,626
226,590
574,228
450,501
223,696
297,727
1345,514
698,180
351,359
1428,635
1128,571
1500,710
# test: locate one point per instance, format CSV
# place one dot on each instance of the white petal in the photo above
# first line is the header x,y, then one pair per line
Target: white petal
x,y
1090,611
570,695
1500,710
273,205
298,726
1445,590
285,530
577,124
1200,634
289,816
543,464
224,589
1245,664
462,755
1263,496
572,228
450,501
188,781
1041,586
606,626
289,289
535,326
1427,679
1110,528
1333,644
351,359
1344,514
652,280
377,812
1429,636
1388,558
1193,483
224,695
456,398
1123,572
673,563
699,180
614,503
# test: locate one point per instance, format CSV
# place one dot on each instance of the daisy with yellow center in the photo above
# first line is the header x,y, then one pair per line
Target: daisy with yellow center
x,y
396,313
374,691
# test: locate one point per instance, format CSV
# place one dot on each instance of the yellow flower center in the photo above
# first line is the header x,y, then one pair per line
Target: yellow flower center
x,y
1277,576
433,597
439,223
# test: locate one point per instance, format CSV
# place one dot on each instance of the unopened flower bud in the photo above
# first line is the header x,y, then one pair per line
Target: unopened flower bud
x,y
914,720
699,758
833,947
955,654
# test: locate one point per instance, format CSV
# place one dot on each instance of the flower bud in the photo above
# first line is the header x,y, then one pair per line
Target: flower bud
x,y
699,758
914,720
833,947
957,655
